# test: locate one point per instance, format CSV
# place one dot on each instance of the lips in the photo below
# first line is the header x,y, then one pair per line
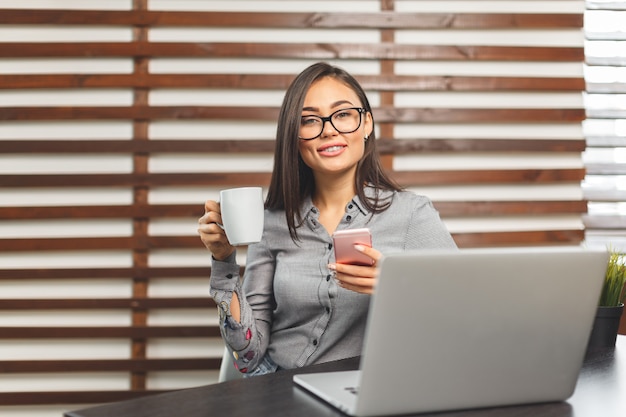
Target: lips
x,y
331,149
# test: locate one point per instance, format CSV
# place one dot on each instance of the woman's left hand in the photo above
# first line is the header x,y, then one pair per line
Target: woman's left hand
x,y
358,278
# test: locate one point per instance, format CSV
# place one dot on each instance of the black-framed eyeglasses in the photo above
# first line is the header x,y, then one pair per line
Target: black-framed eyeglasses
x,y
343,120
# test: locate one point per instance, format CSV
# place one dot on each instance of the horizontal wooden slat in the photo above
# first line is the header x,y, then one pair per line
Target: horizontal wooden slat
x,y
405,178
322,51
139,211
383,114
519,238
386,146
404,146
101,332
447,208
136,180
461,83
508,208
383,19
108,365
481,115
138,113
282,81
415,178
31,398
100,243
106,303
182,242
105,273
136,146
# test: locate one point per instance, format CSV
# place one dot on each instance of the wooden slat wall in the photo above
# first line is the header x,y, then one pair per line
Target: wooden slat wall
x,y
534,215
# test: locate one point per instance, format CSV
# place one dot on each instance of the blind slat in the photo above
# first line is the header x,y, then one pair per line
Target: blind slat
x,y
319,51
106,332
382,114
379,20
106,303
109,365
385,146
281,82
405,178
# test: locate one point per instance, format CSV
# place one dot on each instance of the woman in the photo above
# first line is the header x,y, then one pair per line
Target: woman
x,y
296,306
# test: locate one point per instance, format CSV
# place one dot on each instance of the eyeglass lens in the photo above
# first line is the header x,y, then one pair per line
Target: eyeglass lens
x,y
343,120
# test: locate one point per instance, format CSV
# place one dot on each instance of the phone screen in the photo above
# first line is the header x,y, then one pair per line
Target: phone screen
x,y
344,241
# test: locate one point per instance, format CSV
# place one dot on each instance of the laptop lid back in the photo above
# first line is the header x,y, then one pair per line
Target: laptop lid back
x,y
477,328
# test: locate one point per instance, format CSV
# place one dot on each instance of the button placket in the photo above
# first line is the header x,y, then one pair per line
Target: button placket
x,y
351,212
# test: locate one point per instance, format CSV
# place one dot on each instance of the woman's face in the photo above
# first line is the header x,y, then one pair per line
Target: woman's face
x,y
333,152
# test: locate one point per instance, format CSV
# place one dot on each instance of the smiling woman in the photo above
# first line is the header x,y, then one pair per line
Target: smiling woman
x,y
288,312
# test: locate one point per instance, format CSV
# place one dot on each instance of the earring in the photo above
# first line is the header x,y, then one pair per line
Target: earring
x,y
366,138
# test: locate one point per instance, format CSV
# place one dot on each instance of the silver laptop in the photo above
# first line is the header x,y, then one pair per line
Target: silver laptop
x,y
470,329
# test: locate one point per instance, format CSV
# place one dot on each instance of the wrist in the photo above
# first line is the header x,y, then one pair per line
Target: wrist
x,y
228,256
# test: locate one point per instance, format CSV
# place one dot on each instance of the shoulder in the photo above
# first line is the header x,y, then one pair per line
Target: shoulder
x,y
274,218
408,199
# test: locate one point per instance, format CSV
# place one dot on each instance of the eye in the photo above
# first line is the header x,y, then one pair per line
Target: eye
x,y
309,120
342,114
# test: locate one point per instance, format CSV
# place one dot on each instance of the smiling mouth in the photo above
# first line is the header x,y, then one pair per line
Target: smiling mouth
x,y
332,149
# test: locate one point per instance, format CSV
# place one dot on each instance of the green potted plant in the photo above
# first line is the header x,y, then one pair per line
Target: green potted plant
x,y
611,303
613,293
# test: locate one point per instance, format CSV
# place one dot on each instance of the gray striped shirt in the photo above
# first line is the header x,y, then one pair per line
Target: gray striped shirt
x,y
291,308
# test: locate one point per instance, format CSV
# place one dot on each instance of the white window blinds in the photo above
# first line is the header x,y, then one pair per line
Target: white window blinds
x,y
605,127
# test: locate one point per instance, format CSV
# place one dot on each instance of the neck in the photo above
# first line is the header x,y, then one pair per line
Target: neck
x,y
333,193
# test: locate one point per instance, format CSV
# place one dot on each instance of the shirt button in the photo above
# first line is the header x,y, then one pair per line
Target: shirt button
x,y
330,246
315,342
350,206
327,310
348,218
328,277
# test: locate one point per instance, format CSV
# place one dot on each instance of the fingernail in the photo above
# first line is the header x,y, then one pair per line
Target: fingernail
x,y
332,267
360,248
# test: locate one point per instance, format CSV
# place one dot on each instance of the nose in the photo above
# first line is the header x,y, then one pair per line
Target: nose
x,y
328,128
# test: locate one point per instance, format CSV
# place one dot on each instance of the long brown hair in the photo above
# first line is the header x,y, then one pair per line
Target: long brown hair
x,y
292,180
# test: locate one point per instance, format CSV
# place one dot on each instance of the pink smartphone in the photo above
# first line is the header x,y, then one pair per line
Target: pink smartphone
x,y
344,241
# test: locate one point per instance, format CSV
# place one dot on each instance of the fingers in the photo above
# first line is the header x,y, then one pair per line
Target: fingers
x,y
211,205
357,278
212,212
357,284
211,219
369,251
211,233
362,289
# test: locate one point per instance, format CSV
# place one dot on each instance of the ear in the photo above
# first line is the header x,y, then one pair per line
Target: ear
x,y
368,124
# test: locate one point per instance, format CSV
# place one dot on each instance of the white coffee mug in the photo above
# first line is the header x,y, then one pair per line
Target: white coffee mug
x,y
242,214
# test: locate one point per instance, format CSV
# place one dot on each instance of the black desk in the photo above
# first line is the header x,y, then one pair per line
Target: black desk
x,y
600,392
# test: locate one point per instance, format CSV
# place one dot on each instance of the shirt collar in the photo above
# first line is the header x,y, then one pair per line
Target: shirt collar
x,y
370,192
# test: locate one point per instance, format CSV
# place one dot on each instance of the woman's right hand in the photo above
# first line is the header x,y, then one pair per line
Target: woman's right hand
x,y
211,234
